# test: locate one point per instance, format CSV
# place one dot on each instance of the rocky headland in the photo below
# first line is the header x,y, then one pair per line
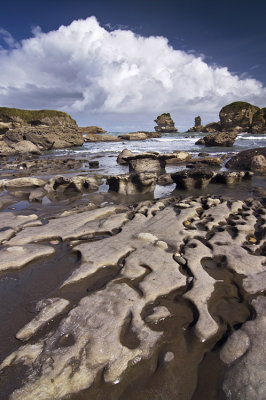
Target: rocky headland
x,y
30,131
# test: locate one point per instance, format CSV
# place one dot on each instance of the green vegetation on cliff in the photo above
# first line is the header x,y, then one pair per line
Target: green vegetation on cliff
x,y
28,116
166,115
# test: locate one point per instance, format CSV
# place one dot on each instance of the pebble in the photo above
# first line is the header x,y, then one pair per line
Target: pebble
x,y
54,241
162,244
169,356
180,260
187,223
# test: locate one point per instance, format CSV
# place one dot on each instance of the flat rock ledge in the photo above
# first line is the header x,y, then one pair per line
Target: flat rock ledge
x,y
145,247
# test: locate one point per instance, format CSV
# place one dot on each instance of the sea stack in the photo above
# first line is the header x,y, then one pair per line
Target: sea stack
x,y
165,124
197,125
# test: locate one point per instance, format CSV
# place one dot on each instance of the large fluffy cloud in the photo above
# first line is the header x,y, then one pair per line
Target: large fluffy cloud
x,y
117,77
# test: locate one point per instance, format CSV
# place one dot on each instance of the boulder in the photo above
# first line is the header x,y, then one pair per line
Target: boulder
x,y
6,150
91,129
152,161
177,157
192,178
213,161
164,180
225,139
36,195
248,160
128,184
23,182
258,163
165,124
94,164
230,178
4,126
76,184
25,147
238,116
146,164
122,157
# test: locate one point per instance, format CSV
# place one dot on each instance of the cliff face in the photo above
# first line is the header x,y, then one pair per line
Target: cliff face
x,y
15,118
165,123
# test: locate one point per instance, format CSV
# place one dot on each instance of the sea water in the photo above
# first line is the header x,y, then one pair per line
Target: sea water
x,y
107,152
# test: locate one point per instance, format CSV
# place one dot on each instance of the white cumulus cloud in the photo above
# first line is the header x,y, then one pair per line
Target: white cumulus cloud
x,y
116,78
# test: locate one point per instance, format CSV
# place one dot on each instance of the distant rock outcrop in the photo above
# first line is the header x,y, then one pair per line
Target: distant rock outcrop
x,y
235,117
197,125
165,124
95,137
238,116
140,135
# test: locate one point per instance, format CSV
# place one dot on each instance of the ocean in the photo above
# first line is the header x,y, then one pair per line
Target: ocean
x,y
106,153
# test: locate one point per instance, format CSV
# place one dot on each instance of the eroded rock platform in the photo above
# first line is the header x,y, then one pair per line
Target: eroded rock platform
x,y
154,288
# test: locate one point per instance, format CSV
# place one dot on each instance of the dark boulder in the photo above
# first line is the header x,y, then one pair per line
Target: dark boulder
x,y
94,164
231,178
192,178
225,139
122,157
131,184
248,160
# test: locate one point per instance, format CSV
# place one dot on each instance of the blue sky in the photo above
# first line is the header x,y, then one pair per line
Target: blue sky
x,y
135,59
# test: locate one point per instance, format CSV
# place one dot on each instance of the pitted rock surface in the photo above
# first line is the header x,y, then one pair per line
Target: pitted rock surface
x,y
106,330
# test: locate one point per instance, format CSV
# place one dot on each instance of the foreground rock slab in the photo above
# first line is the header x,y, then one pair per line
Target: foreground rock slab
x,y
167,251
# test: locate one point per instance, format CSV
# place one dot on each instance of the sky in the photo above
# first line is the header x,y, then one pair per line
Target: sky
x,y
119,64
